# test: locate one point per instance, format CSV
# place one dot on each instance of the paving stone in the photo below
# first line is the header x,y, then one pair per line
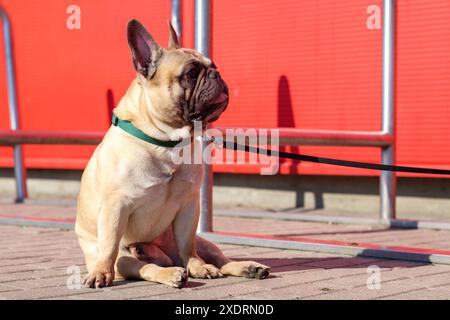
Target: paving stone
x,y
388,288
441,293
7,288
113,293
34,262
41,293
53,282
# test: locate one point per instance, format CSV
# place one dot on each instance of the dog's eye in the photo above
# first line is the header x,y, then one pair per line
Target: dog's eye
x,y
192,74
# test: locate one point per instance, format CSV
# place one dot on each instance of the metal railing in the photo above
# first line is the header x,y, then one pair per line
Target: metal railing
x,y
176,19
19,168
202,44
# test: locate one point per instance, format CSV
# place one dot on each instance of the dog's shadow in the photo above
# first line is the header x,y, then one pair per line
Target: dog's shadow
x,y
190,284
282,265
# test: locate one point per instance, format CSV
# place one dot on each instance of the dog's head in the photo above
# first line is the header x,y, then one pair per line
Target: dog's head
x,y
183,86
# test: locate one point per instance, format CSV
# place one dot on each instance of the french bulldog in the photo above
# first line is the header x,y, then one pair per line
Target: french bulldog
x,y
137,210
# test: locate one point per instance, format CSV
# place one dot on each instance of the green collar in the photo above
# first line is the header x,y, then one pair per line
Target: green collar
x,y
128,127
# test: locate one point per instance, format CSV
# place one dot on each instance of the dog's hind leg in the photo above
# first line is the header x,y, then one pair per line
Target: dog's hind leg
x,y
150,253
130,267
209,252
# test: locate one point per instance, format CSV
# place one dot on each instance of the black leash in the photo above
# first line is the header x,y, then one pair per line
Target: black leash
x,y
334,162
127,126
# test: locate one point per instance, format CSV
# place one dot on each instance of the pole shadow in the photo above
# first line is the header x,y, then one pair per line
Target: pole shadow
x,y
286,119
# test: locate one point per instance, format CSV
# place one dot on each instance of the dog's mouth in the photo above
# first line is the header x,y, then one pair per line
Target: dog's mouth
x,y
213,110
223,97
217,107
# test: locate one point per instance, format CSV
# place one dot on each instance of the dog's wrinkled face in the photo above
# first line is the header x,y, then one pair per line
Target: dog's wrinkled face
x,y
183,85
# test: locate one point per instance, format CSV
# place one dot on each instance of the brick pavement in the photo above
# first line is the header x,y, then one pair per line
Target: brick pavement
x,y
35,261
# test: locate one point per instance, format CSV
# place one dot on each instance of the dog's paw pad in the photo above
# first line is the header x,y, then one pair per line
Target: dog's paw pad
x,y
248,269
257,271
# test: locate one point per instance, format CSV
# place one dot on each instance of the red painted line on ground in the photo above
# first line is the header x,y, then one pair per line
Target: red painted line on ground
x,y
339,243
36,218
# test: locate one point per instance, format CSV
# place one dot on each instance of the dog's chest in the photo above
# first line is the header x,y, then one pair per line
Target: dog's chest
x,y
159,203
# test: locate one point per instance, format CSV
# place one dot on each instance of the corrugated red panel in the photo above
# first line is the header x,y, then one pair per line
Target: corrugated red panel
x,y
423,82
303,64
70,79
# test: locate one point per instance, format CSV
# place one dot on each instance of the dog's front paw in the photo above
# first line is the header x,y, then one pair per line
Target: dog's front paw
x,y
174,277
98,279
247,269
204,271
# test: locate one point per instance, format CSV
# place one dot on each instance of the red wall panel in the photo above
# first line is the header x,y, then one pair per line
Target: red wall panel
x,y
423,82
70,79
304,64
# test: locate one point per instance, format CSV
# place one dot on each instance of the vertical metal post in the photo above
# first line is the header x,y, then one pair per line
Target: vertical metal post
x,y
388,183
176,18
19,168
202,45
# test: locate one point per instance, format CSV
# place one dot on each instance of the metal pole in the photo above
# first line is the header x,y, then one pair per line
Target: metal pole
x,y
202,45
19,168
388,183
202,26
176,18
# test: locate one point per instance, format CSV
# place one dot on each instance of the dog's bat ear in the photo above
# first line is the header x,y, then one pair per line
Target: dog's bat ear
x,y
144,49
173,38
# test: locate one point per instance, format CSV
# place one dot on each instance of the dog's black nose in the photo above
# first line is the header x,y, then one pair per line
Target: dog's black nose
x,y
213,74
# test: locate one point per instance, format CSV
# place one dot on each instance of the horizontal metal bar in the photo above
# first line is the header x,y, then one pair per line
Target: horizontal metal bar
x,y
15,137
409,254
396,223
294,137
286,137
